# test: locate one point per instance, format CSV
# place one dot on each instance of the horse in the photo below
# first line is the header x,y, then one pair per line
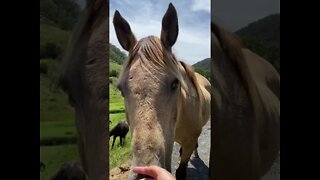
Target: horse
x,y
165,99
70,171
120,130
84,77
246,109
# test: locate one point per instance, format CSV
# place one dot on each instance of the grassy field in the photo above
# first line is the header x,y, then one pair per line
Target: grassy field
x,y
54,156
116,100
54,105
119,155
52,34
115,66
57,129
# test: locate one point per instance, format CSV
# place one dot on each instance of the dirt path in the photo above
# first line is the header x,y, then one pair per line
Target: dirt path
x,y
197,168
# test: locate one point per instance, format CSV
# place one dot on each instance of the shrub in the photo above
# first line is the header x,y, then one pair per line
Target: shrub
x,y
113,73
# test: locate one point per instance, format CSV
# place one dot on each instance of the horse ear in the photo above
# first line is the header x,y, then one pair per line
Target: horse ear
x,y
123,31
170,29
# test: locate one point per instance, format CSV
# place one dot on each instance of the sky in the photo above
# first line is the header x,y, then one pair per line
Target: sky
x,y
145,16
235,14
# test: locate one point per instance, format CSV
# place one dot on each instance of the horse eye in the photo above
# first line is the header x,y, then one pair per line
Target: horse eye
x,y
174,84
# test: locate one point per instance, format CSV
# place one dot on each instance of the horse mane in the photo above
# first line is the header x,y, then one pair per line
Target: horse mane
x,y
232,49
192,77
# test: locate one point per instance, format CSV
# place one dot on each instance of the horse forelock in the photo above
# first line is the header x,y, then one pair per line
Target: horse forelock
x,y
150,52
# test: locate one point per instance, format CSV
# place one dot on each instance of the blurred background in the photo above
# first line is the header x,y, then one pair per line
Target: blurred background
x,y
57,127
256,22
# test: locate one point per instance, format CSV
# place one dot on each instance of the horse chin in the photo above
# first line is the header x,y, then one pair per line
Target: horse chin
x,y
134,176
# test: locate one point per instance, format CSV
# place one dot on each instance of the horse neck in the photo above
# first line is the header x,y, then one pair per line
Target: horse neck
x,y
235,89
227,82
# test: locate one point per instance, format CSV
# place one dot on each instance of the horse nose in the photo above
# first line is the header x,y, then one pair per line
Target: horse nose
x,y
135,176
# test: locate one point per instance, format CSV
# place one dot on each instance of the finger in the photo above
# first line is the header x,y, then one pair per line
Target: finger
x,y
146,171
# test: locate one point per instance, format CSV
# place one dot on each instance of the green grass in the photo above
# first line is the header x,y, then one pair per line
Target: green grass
x,y
52,34
119,155
115,66
54,104
116,100
57,129
54,156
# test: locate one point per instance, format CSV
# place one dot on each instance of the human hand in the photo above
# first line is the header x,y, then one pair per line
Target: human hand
x,y
156,172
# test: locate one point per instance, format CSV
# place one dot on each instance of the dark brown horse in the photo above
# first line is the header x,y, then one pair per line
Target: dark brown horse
x,y
120,130
245,110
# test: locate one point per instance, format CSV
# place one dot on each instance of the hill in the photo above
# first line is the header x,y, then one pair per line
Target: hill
x,y
116,55
64,13
204,64
266,29
263,38
203,67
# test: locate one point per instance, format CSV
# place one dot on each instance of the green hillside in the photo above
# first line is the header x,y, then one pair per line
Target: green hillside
x,y
263,38
266,29
64,13
116,55
118,155
204,64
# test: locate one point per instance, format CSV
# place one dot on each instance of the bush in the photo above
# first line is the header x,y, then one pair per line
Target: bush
x,y
113,73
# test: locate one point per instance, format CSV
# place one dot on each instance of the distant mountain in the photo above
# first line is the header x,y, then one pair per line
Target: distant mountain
x,y
203,68
115,55
263,38
204,64
266,29
64,13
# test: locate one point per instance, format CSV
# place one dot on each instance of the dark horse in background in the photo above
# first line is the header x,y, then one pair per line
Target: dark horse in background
x,y
120,130
245,110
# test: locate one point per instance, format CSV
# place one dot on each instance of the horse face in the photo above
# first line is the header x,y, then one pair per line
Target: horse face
x,y
151,102
151,93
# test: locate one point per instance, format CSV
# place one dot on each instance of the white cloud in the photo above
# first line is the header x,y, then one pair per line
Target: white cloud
x,y
201,5
193,43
